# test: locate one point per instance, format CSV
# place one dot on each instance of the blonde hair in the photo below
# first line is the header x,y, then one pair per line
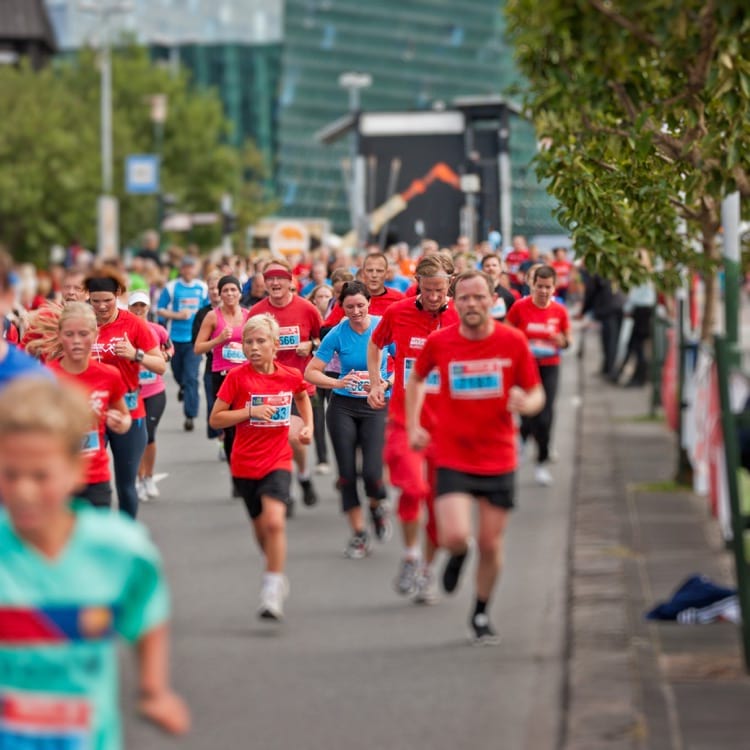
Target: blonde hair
x,y
262,322
46,322
38,404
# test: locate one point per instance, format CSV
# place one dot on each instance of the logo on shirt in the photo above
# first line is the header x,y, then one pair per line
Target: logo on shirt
x,y
94,622
417,342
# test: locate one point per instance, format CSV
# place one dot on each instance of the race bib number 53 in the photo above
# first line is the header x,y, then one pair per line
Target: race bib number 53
x,y
283,409
476,379
37,721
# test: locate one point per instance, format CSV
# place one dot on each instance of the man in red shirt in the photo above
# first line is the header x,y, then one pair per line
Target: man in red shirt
x,y
546,325
518,254
487,374
299,331
374,270
408,323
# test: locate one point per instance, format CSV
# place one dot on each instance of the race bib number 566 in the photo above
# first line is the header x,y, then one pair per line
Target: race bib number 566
x,y
476,379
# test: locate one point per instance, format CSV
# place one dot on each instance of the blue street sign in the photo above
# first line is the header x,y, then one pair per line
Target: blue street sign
x,y
142,174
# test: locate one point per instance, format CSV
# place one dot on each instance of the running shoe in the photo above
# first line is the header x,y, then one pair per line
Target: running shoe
x,y
481,633
150,487
188,425
542,476
222,454
309,496
272,597
452,571
140,490
322,468
358,547
406,580
381,522
427,590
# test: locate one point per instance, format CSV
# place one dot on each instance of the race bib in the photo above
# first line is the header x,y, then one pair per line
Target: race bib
x,y
361,388
499,309
432,382
289,337
189,303
281,416
542,349
146,377
131,400
476,379
232,352
37,721
90,443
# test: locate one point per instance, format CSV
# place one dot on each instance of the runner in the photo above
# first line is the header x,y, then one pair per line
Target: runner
x,y
493,267
299,322
374,271
179,301
408,323
67,347
71,578
354,426
154,395
125,341
486,375
546,325
221,334
256,399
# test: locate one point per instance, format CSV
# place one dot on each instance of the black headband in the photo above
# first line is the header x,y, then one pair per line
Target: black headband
x,y
224,280
102,284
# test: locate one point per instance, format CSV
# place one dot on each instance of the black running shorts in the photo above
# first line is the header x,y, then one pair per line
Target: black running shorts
x,y
499,489
275,485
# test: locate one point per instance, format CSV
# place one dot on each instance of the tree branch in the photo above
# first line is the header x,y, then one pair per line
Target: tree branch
x,y
624,23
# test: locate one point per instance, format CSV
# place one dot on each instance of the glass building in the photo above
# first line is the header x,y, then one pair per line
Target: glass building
x,y
419,54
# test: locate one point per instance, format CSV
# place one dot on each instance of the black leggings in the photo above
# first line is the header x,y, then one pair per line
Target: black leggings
x,y
540,426
319,402
217,378
155,406
353,424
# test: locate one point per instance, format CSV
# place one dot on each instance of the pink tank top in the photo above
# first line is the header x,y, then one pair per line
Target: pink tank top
x,y
228,355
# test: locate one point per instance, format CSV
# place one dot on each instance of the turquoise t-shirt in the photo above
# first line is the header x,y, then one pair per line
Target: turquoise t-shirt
x,y
58,622
351,347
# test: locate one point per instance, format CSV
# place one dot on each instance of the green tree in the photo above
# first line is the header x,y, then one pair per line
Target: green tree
x,y
642,108
50,157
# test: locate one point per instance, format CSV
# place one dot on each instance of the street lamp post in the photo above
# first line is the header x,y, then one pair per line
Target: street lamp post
x,y
354,82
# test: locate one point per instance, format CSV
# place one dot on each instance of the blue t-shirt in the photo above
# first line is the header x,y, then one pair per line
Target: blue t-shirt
x,y
180,295
351,348
58,622
17,363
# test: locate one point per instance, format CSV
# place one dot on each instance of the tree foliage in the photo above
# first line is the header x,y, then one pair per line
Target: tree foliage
x,y
50,153
643,109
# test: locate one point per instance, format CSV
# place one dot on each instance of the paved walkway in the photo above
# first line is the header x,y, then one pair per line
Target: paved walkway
x,y
634,684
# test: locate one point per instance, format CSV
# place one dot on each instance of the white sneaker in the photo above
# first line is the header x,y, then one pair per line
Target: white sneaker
x,y
272,597
140,489
150,487
427,587
322,468
542,475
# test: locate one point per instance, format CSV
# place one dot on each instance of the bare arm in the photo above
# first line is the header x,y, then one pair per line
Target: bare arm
x,y
203,341
526,403
118,417
376,397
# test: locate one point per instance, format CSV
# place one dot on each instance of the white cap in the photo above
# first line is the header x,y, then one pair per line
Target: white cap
x,y
139,296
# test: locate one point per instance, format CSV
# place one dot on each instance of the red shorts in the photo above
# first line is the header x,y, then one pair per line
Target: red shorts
x,y
414,474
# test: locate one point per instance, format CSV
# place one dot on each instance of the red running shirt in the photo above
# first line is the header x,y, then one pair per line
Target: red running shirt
x,y
540,326
299,321
404,324
261,447
141,337
104,386
474,431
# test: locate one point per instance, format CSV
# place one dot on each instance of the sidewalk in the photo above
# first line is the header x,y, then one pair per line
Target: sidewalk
x,y
635,684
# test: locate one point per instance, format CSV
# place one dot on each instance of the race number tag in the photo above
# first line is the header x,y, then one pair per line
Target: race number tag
x,y
146,377
189,303
289,337
361,388
232,352
431,383
542,349
33,721
90,443
131,400
476,379
283,405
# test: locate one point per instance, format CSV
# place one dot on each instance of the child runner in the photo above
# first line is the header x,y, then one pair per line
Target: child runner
x,y
256,398
71,578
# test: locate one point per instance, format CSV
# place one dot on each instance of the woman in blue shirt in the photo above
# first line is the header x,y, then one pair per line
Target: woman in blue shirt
x,y
352,423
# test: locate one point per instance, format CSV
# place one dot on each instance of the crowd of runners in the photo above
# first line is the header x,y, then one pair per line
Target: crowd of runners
x,y
427,370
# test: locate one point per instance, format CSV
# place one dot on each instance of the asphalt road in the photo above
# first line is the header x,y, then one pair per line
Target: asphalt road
x,y
354,664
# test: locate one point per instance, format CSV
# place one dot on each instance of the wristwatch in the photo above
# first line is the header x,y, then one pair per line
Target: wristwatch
x,y
139,355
